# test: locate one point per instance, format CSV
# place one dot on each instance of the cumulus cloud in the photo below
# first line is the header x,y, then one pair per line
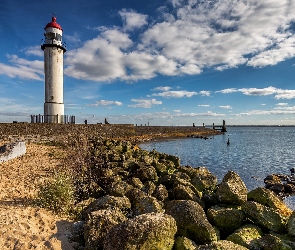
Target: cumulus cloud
x,y
22,68
278,93
193,36
176,94
132,19
106,103
144,103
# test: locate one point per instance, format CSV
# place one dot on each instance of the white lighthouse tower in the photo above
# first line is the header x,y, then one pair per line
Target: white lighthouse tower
x,y
53,68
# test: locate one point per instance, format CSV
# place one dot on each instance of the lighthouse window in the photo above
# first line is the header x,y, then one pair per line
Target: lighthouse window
x,y
50,35
58,37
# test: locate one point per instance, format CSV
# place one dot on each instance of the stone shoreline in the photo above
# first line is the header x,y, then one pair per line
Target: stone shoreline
x,y
32,132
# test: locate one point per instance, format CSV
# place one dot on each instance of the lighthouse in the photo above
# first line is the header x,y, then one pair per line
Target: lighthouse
x,y
54,50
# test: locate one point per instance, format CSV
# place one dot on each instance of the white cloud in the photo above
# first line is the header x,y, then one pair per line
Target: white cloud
x,y
278,93
195,35
282,104
144,103
106,103
205,93
176,94
22,68
203,105
225,107
162,88
132,19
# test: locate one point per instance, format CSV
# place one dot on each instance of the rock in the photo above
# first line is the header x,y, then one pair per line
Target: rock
x,y
160,193
232,189
182,182
109,202
246,236
204,179
271,242
221,245
149,187
98,225
135,182
183,243
225,219
181,192
144,232
119,188
147,173
291,224
147,204
191,221
135,195
268,198
266,218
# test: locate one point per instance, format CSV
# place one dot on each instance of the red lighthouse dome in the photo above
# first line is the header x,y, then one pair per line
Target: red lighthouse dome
x,y
53,24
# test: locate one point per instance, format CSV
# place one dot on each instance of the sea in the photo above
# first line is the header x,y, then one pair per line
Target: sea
x,y
253,152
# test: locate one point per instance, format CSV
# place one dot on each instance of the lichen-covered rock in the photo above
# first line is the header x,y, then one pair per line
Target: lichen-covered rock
x,y
135,182
181,192
147,173
149,187
119,188
266,218
183,243
134,195
225,219
98,225
147,204
291,224
204,179
269,198
160,193
109,202
232,189
144,232
178,181
271,242
221,245
191,221
246,236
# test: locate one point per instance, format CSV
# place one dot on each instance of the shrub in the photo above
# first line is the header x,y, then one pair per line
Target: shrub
x,y
56,194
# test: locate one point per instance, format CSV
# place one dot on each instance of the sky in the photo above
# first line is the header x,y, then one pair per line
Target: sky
x,y
174,62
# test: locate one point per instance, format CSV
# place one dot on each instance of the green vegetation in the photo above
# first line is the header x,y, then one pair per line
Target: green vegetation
x,y
57,194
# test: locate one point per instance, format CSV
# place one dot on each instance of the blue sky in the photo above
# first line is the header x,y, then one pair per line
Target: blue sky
x,y
173,62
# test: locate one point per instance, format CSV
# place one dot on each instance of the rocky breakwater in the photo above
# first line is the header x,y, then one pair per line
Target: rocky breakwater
x,y
137,199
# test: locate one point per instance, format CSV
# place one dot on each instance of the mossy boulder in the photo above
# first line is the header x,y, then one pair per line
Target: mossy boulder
x,y
191,221
119,188
145,232
98,224
183,243
204,179
160,193
271,242
108,202
232,189
266,218
225,219
147,173
221,245
182,192
291,224
269,198
148,187
147,204
246,236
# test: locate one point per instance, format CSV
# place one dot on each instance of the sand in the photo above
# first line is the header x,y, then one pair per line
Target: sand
x,y
23,226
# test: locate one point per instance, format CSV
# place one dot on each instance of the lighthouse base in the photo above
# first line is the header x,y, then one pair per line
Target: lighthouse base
x,y
53,112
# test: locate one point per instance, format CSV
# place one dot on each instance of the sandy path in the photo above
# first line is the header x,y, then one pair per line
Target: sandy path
x,y
21,225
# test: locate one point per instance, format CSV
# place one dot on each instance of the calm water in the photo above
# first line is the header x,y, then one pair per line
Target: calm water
x,y
253,153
